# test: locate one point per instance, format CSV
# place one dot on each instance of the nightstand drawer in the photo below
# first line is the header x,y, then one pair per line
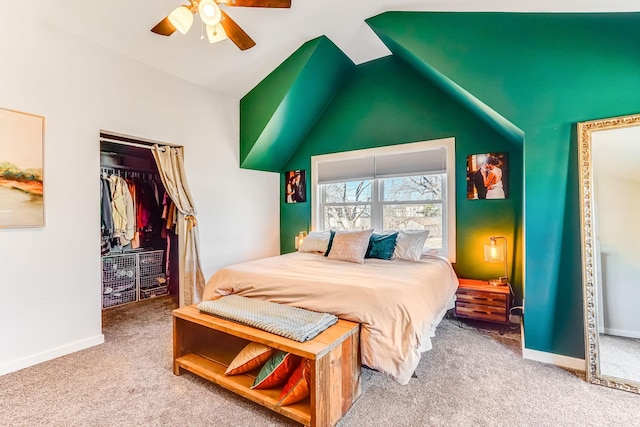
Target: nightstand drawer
x,y
480,297
481,312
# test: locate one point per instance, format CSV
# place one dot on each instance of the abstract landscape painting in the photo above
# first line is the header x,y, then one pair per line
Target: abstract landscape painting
x,y
21,164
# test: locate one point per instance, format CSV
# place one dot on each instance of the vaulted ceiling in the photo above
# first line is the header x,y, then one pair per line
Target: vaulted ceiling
x,y
124,26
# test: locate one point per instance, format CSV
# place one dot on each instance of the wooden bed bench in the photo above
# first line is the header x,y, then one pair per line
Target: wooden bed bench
x,y
205,345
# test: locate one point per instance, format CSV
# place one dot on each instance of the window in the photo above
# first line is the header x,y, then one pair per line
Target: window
x,y
346,205
400,187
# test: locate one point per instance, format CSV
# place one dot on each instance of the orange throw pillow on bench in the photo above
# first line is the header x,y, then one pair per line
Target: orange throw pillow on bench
x,y
249,358
276,370
297,387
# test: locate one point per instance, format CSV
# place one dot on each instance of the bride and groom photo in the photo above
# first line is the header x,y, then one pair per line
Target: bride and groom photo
x,y
487,176
294,187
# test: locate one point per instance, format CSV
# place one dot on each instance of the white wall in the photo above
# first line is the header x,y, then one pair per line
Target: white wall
x,y
618,203
50,277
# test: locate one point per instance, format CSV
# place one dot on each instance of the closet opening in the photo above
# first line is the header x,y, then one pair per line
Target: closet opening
x,y
139,246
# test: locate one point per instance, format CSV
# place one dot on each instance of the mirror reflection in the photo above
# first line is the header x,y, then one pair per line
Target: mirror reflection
x,y
610,174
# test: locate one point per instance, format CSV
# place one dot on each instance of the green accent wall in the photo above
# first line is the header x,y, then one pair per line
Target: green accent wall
x,y
513,82
386,102
278,112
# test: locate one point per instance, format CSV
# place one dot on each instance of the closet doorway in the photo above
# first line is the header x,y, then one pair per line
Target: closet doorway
x,y
140,250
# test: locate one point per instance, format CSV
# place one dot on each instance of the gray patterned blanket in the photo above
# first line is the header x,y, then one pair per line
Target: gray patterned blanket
x,y
291,322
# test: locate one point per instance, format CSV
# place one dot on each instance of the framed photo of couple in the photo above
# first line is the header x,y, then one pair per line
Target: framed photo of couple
x,y
294,186
487,176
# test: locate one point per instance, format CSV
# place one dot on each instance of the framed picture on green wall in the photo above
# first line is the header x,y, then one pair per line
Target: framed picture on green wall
x,y
487,176
294,186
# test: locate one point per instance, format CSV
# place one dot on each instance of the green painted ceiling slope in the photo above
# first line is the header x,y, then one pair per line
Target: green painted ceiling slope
x,y
408,48
276,115
511,61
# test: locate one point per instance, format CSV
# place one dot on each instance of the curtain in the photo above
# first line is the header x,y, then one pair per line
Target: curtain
x,y
170,163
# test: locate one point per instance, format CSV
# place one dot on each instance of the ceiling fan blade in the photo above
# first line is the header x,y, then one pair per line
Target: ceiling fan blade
x,y
164,27
235,33
257,3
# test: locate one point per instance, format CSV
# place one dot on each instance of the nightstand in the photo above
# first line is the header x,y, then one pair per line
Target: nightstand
x,y
478,300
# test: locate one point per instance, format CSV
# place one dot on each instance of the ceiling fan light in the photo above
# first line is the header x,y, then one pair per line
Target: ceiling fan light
x,y
216,33
209,12
181,18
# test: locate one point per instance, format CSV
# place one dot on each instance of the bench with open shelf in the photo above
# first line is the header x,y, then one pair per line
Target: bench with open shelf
x,y
205,345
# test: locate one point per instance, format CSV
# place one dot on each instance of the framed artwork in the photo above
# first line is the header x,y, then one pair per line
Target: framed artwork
x,y
295,190
21,165
487,176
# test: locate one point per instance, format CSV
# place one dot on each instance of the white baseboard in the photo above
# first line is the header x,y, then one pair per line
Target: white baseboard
x,y
35,359
554,359
622,333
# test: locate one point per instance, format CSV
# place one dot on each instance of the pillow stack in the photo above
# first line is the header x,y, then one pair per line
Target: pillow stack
x,y
355,246
276,368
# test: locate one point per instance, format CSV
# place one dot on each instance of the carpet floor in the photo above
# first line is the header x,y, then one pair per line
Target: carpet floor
x,y
472,377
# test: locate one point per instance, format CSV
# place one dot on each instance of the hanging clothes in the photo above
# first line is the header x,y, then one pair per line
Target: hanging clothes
x,y
105,208
135,240
122,206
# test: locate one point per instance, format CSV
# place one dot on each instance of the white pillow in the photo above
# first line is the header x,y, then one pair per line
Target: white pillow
x,y
409,244
350,246
316,241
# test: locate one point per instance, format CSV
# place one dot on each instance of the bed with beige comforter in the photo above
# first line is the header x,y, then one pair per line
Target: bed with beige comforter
x,y
398,303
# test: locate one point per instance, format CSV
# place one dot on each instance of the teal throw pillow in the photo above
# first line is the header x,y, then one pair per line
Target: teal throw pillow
x,y
331,236
381,246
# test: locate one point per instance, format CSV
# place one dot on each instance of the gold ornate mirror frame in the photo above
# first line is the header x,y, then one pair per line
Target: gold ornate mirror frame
x,y
589,265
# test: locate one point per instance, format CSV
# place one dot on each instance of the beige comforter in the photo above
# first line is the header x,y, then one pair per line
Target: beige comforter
x,y
398,303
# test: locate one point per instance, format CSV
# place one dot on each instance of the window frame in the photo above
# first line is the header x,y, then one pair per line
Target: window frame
x,y
448,201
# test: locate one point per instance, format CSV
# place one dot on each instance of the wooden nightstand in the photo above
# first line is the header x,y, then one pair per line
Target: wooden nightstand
x,y
478,300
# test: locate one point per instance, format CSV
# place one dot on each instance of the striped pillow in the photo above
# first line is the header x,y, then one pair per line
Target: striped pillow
x,y
350,246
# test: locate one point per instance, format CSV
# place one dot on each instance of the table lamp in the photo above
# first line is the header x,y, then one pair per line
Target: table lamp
x,y
494,253
299,238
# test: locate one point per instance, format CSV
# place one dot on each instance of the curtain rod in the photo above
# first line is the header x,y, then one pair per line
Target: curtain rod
x,y
117,138
132,144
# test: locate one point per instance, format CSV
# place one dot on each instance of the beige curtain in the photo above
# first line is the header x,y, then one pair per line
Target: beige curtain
x,y
170,163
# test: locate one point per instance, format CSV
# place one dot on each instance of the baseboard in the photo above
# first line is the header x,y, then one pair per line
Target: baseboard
x,y
35,359
622,333
554,359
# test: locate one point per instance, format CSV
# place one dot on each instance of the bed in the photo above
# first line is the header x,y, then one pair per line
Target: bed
x,y
398,303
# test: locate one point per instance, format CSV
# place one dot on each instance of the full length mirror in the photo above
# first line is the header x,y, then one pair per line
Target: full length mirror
x,y
610,200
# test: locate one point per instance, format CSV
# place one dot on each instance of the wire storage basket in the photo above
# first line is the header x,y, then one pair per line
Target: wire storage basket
x,y
118,267
150,263
153,286
154,292
153,281
130,276
118,292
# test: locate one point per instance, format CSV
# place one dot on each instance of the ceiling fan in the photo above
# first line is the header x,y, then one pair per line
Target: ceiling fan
x,y
218,24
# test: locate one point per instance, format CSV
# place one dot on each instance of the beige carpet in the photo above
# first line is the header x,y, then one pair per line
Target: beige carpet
x,y
620,357
472,377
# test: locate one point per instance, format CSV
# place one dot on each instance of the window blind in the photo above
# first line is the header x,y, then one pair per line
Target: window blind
x,y
383,166
346,170
408,164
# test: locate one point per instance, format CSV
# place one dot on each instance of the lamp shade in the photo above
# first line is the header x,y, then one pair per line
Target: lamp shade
x,y
209,12
493,252
181,18
216,33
